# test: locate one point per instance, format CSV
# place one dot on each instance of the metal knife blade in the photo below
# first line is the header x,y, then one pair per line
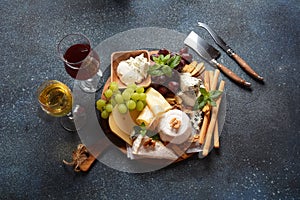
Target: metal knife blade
x,y
195,42
209,53
220,42
216,38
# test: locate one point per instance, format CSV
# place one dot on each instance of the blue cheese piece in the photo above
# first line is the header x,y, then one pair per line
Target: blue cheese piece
x,y
187,82
196,119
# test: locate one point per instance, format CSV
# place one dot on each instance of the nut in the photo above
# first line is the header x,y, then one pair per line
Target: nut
x,y
175,123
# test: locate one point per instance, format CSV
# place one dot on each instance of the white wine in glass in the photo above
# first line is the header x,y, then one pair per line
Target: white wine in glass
x,y
56,100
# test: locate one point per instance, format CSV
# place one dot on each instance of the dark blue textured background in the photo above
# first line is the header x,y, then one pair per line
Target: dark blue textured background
x,y
259,155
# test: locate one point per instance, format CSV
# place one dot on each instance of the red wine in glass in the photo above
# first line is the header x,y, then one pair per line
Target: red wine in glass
x,y
82,63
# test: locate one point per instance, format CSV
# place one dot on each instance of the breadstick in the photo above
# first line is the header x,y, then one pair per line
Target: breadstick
x,y
213,79
211,75
212,123
216,135
207,115
214,82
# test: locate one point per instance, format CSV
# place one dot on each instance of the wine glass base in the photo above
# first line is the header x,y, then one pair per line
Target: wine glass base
x,y
87,86
67,122
74,121
93,84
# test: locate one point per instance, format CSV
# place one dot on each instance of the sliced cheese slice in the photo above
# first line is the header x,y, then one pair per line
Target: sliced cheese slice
x,y
114,128
156,102
123,121
146,116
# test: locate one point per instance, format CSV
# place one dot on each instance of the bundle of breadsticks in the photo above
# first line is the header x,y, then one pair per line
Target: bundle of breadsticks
x,y
209,131
209,127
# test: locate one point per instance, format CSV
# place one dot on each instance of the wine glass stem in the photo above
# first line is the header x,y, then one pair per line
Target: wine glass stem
x,y
93,84
67,122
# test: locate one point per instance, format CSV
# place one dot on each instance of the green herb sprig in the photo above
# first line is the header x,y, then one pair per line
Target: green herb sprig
x,y
164,65
207,98
141,129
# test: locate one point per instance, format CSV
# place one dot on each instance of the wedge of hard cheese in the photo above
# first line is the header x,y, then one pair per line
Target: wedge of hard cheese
x,y
114,127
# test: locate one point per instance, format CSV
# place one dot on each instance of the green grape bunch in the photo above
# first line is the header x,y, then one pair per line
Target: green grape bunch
x,y
131,98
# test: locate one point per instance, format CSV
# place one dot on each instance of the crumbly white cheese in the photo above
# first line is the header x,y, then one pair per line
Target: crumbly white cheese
x,y
133,70
187,82
189,88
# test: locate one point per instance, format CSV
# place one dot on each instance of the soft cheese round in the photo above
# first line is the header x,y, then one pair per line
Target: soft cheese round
x,y
168,133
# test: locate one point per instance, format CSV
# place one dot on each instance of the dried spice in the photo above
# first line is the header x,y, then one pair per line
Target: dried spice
x,y
79,156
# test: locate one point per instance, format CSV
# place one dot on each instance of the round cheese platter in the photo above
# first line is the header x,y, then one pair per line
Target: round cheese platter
x,y
162,116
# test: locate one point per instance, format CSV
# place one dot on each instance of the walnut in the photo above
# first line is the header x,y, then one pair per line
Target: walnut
x,y
175,123
175,102
149,143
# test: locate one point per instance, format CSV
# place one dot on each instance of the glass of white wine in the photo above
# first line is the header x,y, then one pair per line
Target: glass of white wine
x,y
56,100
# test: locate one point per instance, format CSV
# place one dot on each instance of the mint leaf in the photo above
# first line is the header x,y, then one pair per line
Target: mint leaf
x,y
143,132
155,137
203,91
155,72
207,98
175,61
213,103
215,94
160,57
155,66
167,70
155,59
166,58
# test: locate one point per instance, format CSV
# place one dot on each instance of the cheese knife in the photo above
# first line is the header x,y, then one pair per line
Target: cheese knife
x,y
219,41
210,54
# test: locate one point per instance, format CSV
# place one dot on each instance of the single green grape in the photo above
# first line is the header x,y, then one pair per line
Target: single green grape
x,y
113,102
100,104
117,92
140,89
109,108
104,114
108,93
143,96
132,85
126,95
113,86
129,90
131,104
122,108
119,99
135,96
139,106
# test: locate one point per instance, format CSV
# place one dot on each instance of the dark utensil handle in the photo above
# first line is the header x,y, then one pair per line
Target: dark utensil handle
x,y
246,67
232,75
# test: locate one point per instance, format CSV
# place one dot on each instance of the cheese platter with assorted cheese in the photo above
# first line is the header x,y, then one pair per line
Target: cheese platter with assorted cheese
x,y
161,105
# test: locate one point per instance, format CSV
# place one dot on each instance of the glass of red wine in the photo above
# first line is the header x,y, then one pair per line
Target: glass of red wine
x,y
81,61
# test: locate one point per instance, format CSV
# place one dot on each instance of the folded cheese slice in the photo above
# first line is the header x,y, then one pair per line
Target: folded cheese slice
x,y
156,102
146,117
